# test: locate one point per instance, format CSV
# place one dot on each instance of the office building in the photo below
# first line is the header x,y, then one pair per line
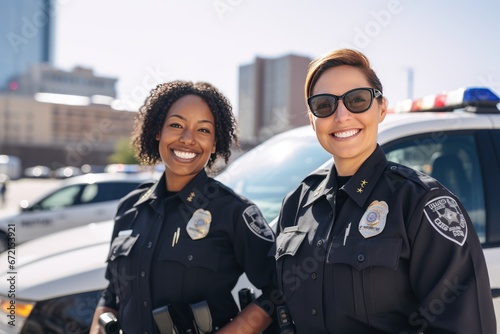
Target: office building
x,y
271,96
70,132
44,78
27,30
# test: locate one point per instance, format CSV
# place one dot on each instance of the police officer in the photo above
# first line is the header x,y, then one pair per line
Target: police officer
x,y
370,246
179,245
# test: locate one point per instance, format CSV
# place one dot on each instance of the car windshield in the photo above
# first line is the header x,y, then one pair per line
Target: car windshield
x,y
268,172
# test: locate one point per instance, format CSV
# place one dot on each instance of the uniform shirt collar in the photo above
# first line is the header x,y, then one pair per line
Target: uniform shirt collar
x,y
191,192
361,183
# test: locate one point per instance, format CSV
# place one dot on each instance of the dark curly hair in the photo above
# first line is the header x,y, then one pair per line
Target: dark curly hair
x,y
151,116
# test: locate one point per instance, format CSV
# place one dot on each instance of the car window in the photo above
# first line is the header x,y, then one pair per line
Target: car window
x,y
270,171
64,197
107,191
451,159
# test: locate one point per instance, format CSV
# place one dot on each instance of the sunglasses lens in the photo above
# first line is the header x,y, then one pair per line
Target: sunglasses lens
x,y
358,100
323,105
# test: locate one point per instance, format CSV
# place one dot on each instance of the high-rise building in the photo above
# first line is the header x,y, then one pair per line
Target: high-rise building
x,y
27,30
271,96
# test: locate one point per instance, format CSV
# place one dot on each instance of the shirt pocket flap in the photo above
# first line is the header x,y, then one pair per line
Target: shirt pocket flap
x,y
289,241
121,246
362,253
204,256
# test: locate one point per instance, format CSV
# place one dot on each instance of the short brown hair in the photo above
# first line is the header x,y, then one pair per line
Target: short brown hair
x,y
337,58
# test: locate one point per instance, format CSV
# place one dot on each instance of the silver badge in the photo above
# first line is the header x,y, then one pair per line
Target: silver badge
x,y
373,221
199,224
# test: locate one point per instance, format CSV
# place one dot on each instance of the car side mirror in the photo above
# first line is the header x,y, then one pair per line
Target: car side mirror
x,y
25,206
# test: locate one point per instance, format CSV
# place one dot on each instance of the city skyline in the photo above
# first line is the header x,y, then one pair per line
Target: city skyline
x,y
416,48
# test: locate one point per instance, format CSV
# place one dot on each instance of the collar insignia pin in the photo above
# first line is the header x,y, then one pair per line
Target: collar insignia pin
x,y
362,184
190,196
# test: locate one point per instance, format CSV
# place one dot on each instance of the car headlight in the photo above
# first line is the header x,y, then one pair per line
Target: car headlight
x,y
13,312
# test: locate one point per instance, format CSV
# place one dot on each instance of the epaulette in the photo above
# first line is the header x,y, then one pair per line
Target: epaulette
x,y
413,175
135,194
230,191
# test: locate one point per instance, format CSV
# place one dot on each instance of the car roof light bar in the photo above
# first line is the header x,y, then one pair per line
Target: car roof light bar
x,y
483,99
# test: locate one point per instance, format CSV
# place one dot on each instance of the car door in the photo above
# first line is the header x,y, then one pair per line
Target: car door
x,y
466,162
50,214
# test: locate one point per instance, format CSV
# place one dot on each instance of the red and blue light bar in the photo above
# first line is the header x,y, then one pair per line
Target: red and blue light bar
x,y
459,98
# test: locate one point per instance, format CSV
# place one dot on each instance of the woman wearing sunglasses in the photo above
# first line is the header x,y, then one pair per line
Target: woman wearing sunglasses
x,y
371,246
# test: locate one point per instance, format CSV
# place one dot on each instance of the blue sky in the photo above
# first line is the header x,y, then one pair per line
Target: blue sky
x,y
448,44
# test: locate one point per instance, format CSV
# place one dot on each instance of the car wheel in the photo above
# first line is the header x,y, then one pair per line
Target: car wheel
x,y
3,241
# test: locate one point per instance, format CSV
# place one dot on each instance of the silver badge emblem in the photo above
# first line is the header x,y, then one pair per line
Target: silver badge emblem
x,y
373,221
199,224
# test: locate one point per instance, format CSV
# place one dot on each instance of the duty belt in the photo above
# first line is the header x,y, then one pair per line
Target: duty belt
x,y
200,315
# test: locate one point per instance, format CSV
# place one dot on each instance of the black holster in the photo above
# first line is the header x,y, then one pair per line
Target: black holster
x,y
198,313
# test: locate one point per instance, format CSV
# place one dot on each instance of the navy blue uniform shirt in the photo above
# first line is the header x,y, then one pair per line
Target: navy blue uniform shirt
x,y
399,256
153,260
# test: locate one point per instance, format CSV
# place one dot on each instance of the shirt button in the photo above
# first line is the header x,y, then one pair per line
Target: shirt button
x,y
143,273
314,275
190,257
145,303
314,311
319,243
150,244
330,215
361,257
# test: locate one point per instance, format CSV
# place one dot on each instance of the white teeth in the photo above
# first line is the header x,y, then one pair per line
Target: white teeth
x,y
345,134
184,155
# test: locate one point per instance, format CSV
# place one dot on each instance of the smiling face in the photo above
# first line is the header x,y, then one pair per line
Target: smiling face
x,y
351,138
186,140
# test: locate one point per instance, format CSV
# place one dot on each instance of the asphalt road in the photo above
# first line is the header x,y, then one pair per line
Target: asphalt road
x,y
26,189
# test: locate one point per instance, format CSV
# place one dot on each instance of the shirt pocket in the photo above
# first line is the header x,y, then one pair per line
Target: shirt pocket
x,y
361,253
121,246
120,265
287,245
192,255
364,274
289,241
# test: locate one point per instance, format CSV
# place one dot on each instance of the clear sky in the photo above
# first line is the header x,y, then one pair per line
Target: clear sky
x,y
447,44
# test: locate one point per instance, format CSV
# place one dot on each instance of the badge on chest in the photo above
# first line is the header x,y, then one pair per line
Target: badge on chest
x,y
199,224
373,221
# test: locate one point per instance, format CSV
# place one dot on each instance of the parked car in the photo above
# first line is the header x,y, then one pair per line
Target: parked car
x,y
79,200
66,172
39,171
457,140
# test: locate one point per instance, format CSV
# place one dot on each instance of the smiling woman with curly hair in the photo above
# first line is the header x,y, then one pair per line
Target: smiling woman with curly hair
x,y
181,243
152,116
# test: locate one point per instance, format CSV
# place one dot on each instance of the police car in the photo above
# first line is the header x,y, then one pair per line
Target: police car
x,y
454,136
77,201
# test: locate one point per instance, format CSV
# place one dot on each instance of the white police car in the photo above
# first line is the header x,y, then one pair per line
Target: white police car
x,y
77,201
454,137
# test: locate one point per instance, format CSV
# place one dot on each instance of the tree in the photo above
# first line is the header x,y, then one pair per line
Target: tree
x,y
124,153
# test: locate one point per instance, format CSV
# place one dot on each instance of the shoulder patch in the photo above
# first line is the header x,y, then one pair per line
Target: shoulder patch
x,y
444,214
257,224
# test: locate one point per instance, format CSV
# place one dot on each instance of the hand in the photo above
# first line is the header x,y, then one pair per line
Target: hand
x,y
252,320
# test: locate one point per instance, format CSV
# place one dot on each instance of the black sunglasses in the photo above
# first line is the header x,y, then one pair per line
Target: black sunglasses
x,y
356,100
